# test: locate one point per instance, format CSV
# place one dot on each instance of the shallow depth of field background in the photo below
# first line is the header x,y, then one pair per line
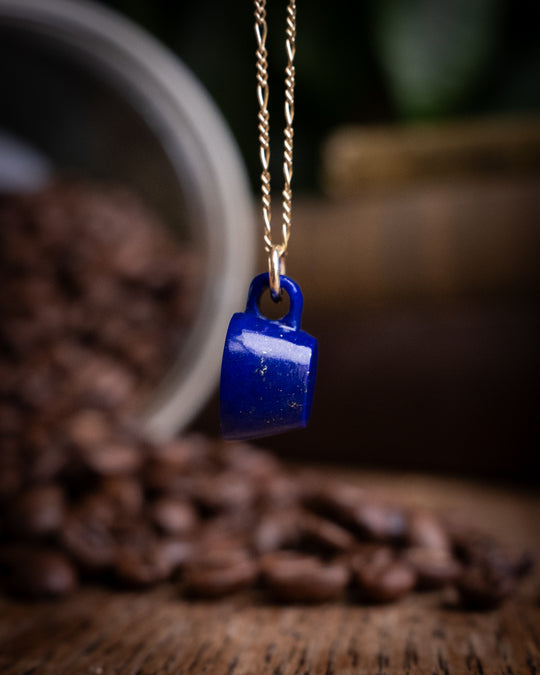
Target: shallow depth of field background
x,y
419,259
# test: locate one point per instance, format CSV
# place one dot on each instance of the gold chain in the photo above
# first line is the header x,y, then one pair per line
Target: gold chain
x,y
276,252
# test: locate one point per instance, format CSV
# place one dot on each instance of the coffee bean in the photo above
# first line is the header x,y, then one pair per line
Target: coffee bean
x,y
34,386
391,584
215,543
176,552
103,382
380,576
11,420
522,563
36,512
380,522
87,535
45,458
113,457
477,549
369,518
425,530
275,530
88,428
251,462
36,572
11,473
331,498
226,491
144,564
295,577
324,535
482,588
279,491
162,478
173,516
125,493
435,568
216,575
182,455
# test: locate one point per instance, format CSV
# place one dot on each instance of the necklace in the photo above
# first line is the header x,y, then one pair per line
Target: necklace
x,y
276,252
269,366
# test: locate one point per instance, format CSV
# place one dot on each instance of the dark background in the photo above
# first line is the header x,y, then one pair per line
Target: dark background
x,y
370,61
433,364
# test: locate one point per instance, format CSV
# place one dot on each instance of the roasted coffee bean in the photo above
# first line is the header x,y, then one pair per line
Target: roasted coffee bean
x,y
215,542
480,550
425,530
251,462
380,576
324,535
36,572
36,512
280,491
45,458
162,478
11,470
104,382
226,491
391,583
88,428
176,552
11,420
87,534
145,564
182,455
237,526
331,498
173,516
380,522
124,493
113,457
294,577
371,519
521,563
435,568
276,530
482,588
34,386
10,481
219,573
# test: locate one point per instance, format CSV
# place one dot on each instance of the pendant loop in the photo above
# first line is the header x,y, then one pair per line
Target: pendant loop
x,y
276,267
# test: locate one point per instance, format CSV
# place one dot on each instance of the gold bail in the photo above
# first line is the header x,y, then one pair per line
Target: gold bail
x,y
276,267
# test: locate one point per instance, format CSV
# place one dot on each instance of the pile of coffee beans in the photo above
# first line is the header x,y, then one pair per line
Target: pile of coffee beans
x,y
94,296
222,518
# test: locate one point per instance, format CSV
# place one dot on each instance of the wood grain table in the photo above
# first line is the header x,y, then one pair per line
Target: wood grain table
x,y
103,632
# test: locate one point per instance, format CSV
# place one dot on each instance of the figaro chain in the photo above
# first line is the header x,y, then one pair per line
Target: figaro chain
x,y
276,251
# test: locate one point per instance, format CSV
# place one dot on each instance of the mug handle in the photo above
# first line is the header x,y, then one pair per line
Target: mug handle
x,y
261,282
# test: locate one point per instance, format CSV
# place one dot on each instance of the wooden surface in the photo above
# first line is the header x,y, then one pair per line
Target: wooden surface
x,y
434,241
358,158
99,632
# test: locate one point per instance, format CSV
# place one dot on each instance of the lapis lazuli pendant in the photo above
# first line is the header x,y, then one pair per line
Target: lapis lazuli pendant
x,y
268,368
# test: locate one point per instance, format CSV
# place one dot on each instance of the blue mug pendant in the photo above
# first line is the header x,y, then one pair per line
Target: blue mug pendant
x,y
268,368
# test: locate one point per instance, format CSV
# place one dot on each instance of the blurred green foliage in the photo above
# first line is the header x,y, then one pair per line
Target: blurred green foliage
x,y
433,53
363,61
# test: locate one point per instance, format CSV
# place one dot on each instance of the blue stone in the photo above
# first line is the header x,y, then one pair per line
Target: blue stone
x,y
268,368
